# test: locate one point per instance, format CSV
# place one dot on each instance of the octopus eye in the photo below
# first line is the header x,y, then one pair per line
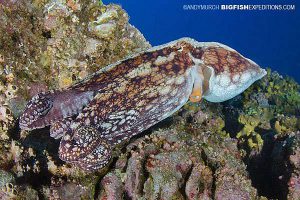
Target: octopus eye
x,y
41,104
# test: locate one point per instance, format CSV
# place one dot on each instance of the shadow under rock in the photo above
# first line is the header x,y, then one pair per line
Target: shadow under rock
x,y
270,169
40,141
231,113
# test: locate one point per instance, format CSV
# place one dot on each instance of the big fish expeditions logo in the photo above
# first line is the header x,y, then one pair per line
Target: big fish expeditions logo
x,y
246,7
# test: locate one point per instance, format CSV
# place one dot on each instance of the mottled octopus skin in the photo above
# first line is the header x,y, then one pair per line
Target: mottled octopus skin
x,y
128,97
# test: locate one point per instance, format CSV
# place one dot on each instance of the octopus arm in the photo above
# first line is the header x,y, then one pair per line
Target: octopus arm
x,y
59,128
96,130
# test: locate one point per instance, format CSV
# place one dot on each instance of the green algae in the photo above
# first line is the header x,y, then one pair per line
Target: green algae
x,y
286,124
271,104
248,133
281,94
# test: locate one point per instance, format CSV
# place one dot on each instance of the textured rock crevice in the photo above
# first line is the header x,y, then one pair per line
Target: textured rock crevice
x,y
274,169
176,173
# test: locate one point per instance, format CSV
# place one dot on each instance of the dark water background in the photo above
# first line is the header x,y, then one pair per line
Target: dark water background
x,y
270,38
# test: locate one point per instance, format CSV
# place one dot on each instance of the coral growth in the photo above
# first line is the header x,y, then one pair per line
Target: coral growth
x,y
247,147
50,44
192,164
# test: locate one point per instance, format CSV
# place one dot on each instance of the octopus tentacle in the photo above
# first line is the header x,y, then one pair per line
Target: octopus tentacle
x,y
47,108
59,128
36,108
79,143
98,158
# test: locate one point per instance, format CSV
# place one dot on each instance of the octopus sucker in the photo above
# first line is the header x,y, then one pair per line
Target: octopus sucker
x,y
96,115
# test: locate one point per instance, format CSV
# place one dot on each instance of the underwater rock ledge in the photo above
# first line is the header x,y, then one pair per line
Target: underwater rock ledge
x,y
245,148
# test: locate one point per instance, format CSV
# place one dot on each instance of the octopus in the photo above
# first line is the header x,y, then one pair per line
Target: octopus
x,y
96,115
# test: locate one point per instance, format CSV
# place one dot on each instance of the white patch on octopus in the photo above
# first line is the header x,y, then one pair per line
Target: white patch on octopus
x,y
163,90
162,59
179,80
142,70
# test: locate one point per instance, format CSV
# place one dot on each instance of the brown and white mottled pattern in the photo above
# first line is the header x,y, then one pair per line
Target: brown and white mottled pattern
x,y
128,97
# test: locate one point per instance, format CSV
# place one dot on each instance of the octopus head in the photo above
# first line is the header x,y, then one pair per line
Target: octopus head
x,y
48,107
222,73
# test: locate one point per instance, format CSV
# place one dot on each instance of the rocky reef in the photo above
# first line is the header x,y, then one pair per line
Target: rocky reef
x,y
245,148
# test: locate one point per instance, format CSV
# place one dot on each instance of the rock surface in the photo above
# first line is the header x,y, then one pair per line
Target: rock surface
x,y
245,148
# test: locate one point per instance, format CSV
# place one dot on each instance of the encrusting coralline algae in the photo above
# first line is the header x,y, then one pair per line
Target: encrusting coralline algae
x,y
198,153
